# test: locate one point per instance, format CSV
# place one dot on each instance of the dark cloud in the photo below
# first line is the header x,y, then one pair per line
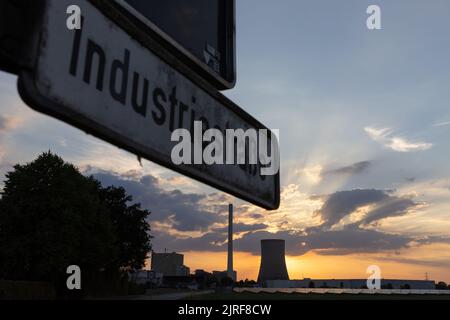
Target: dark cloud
x,y
390,207
251,241
258,216
212,242
187,212
355,168
241,227
351,239
184,210
216,242
342,203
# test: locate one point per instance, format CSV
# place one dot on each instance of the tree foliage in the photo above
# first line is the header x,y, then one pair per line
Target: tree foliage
x,y
133,240
51,216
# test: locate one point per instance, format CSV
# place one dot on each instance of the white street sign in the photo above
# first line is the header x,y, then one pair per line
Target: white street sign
x,y
105,82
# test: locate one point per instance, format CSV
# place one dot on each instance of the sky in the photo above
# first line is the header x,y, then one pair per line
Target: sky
x,y
364,131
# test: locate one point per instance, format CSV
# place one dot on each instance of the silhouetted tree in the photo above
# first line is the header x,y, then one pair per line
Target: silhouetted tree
x,y
250,283
245,283
51,216
130,226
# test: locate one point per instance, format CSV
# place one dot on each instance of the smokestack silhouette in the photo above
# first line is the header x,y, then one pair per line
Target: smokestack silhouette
x,y
230,271
273,263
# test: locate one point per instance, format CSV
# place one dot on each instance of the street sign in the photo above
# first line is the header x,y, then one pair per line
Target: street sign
x,y
200,32
117,87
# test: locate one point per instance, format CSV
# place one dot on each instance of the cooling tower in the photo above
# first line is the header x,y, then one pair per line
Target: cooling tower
x,y
273,263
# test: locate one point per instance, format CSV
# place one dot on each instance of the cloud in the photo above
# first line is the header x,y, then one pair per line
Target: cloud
x,y
183,212
441,124
341,204
384,137
390,207
350,240
8,123
312,174
242,227
323,238
258,216
353,239
355,168
379,204
211,242
197,222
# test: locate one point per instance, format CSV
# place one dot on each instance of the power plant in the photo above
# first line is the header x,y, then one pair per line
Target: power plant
x,y
169,264
273,262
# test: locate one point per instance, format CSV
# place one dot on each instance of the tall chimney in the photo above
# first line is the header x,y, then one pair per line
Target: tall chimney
x,y
230,271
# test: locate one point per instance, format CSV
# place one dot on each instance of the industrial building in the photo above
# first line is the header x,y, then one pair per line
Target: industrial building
x,y
273,274
150,279
169,264
176,275
273,262
350,284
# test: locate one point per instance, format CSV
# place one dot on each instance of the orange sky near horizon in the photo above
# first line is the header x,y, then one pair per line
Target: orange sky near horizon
x,y
314,265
